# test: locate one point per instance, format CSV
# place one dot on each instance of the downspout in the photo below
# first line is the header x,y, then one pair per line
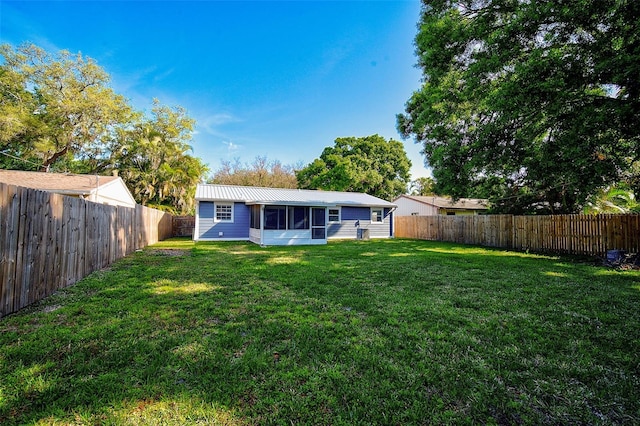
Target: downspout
x,y
393,228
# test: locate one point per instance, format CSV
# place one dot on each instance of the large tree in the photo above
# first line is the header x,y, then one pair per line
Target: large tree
x,y
368,164
261,172
57,112
153,159
55,106
535,104
422,186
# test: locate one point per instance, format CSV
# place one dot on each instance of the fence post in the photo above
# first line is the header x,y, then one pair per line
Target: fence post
x,y
49,241
569,234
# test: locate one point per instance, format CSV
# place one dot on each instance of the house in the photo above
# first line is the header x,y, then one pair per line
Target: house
x,y
99,189
275,216
413,205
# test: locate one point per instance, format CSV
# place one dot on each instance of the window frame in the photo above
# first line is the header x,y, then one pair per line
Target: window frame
x,y
381,216
255,220
280,217
339,210
217,205
292,225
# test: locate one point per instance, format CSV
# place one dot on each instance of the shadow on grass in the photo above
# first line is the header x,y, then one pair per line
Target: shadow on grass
x,y
378,332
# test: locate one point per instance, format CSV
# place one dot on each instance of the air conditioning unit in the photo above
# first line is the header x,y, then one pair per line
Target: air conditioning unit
x,y
363,234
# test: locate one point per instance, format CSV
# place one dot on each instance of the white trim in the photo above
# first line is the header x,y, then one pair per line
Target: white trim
x,y
121,184
261,224
196,231
224,239
377,222
255,235
223,203
339,215
290,237
313,227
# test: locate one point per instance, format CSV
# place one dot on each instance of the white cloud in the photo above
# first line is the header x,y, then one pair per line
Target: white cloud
x,y
163,75
220,119
211,123
232,147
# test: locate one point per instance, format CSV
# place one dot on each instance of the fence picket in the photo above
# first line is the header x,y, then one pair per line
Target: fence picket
x,y
9,246
49,241
569,234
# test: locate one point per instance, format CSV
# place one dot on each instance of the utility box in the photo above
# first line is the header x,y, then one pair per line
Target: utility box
x,y
363,234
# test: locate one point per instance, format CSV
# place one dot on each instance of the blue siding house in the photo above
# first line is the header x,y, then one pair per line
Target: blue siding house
x,y
274,216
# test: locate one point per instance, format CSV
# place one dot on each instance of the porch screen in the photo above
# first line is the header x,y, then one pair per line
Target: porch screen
x,y
281,217
298,218
318,224
255,217
275,217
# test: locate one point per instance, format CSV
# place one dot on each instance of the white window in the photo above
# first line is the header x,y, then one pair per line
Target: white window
x,y
334,215
377,215
224,212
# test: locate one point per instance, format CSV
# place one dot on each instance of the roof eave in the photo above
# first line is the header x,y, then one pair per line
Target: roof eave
x,y
311,203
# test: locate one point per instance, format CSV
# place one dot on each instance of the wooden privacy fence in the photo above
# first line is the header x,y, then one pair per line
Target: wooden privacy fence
x,y
569,234
183,226
49,241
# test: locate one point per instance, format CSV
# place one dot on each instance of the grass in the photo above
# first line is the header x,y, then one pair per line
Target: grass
x,y
377,332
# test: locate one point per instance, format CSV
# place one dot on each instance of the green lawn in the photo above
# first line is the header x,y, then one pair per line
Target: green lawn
x,y
374,332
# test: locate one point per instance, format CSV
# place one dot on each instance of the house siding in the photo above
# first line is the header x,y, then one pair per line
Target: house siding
x,y
408,207
290,238
356,213
209,229
115,194
345,229
354,217
254,235
428,207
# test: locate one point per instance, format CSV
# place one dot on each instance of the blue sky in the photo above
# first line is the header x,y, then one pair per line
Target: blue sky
x,y
275,79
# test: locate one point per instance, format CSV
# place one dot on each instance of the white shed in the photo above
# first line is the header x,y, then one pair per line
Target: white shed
x,y
98,189
414,205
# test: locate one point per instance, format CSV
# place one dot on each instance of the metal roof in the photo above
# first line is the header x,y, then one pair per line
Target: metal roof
x,y
447,203
257,195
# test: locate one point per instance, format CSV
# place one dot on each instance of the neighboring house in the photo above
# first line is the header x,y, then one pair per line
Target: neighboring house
x,y
414,205
273,216
99,189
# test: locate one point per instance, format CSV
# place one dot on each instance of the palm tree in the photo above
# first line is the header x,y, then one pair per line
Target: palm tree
x,y
153,159
614,199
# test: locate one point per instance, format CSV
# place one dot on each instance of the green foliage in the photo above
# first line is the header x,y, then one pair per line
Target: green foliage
x,y
17,122
152,158
385,332
57,113
615,199
369,164
422,186
536,104
262,172
56,105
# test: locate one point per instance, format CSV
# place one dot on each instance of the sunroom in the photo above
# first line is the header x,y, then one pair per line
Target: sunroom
x,y
288,224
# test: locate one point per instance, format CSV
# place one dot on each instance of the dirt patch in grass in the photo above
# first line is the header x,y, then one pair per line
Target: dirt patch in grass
x,y
169,252
51,308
